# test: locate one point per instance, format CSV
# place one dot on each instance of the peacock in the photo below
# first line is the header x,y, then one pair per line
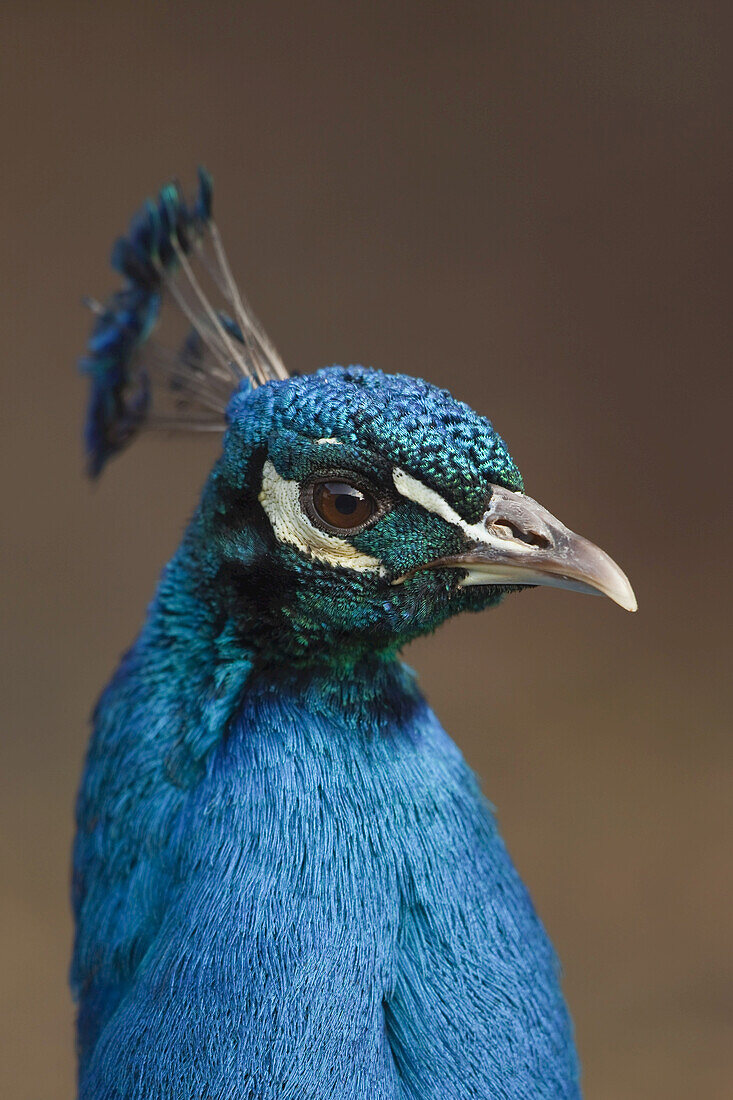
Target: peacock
x,y
286,880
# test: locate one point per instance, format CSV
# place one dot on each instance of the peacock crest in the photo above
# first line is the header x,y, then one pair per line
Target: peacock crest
x,y
172,252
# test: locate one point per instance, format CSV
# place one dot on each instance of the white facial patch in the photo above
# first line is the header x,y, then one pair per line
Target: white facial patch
x,y
431,501
281,500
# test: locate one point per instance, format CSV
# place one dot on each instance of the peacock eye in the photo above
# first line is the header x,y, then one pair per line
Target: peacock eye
x,y
342,506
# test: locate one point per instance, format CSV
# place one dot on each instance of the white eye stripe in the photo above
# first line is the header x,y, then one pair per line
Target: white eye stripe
x,y
280,499
414,490
329,439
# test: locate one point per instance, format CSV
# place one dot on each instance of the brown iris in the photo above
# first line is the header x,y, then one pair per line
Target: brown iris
x,y
341,505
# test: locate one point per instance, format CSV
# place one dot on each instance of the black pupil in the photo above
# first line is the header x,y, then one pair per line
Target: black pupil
x,y
345,499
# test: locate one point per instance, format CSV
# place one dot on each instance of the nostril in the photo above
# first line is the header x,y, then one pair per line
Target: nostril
x,y
506,529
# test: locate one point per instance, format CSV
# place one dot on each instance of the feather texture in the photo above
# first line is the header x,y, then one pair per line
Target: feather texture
x,y
172,252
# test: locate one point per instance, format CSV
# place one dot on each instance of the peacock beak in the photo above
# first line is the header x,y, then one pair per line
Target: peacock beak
x,y
520,543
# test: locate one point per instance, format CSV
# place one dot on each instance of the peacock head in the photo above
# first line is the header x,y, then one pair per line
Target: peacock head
x,y
354,509
351,510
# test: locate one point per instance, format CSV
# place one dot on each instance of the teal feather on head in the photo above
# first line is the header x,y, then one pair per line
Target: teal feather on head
x,y
360,424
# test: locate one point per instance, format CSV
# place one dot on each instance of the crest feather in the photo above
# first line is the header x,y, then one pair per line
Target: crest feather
x,y
172,251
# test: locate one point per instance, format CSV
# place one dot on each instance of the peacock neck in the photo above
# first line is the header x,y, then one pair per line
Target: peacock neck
x,y
200,651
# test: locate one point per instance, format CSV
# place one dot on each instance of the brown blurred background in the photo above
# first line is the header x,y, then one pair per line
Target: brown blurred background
x,y
528,203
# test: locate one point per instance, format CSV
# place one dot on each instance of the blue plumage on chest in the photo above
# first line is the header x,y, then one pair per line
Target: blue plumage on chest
x,y
339,885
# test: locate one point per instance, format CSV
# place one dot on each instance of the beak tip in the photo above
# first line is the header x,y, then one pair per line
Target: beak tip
x,y
623,594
